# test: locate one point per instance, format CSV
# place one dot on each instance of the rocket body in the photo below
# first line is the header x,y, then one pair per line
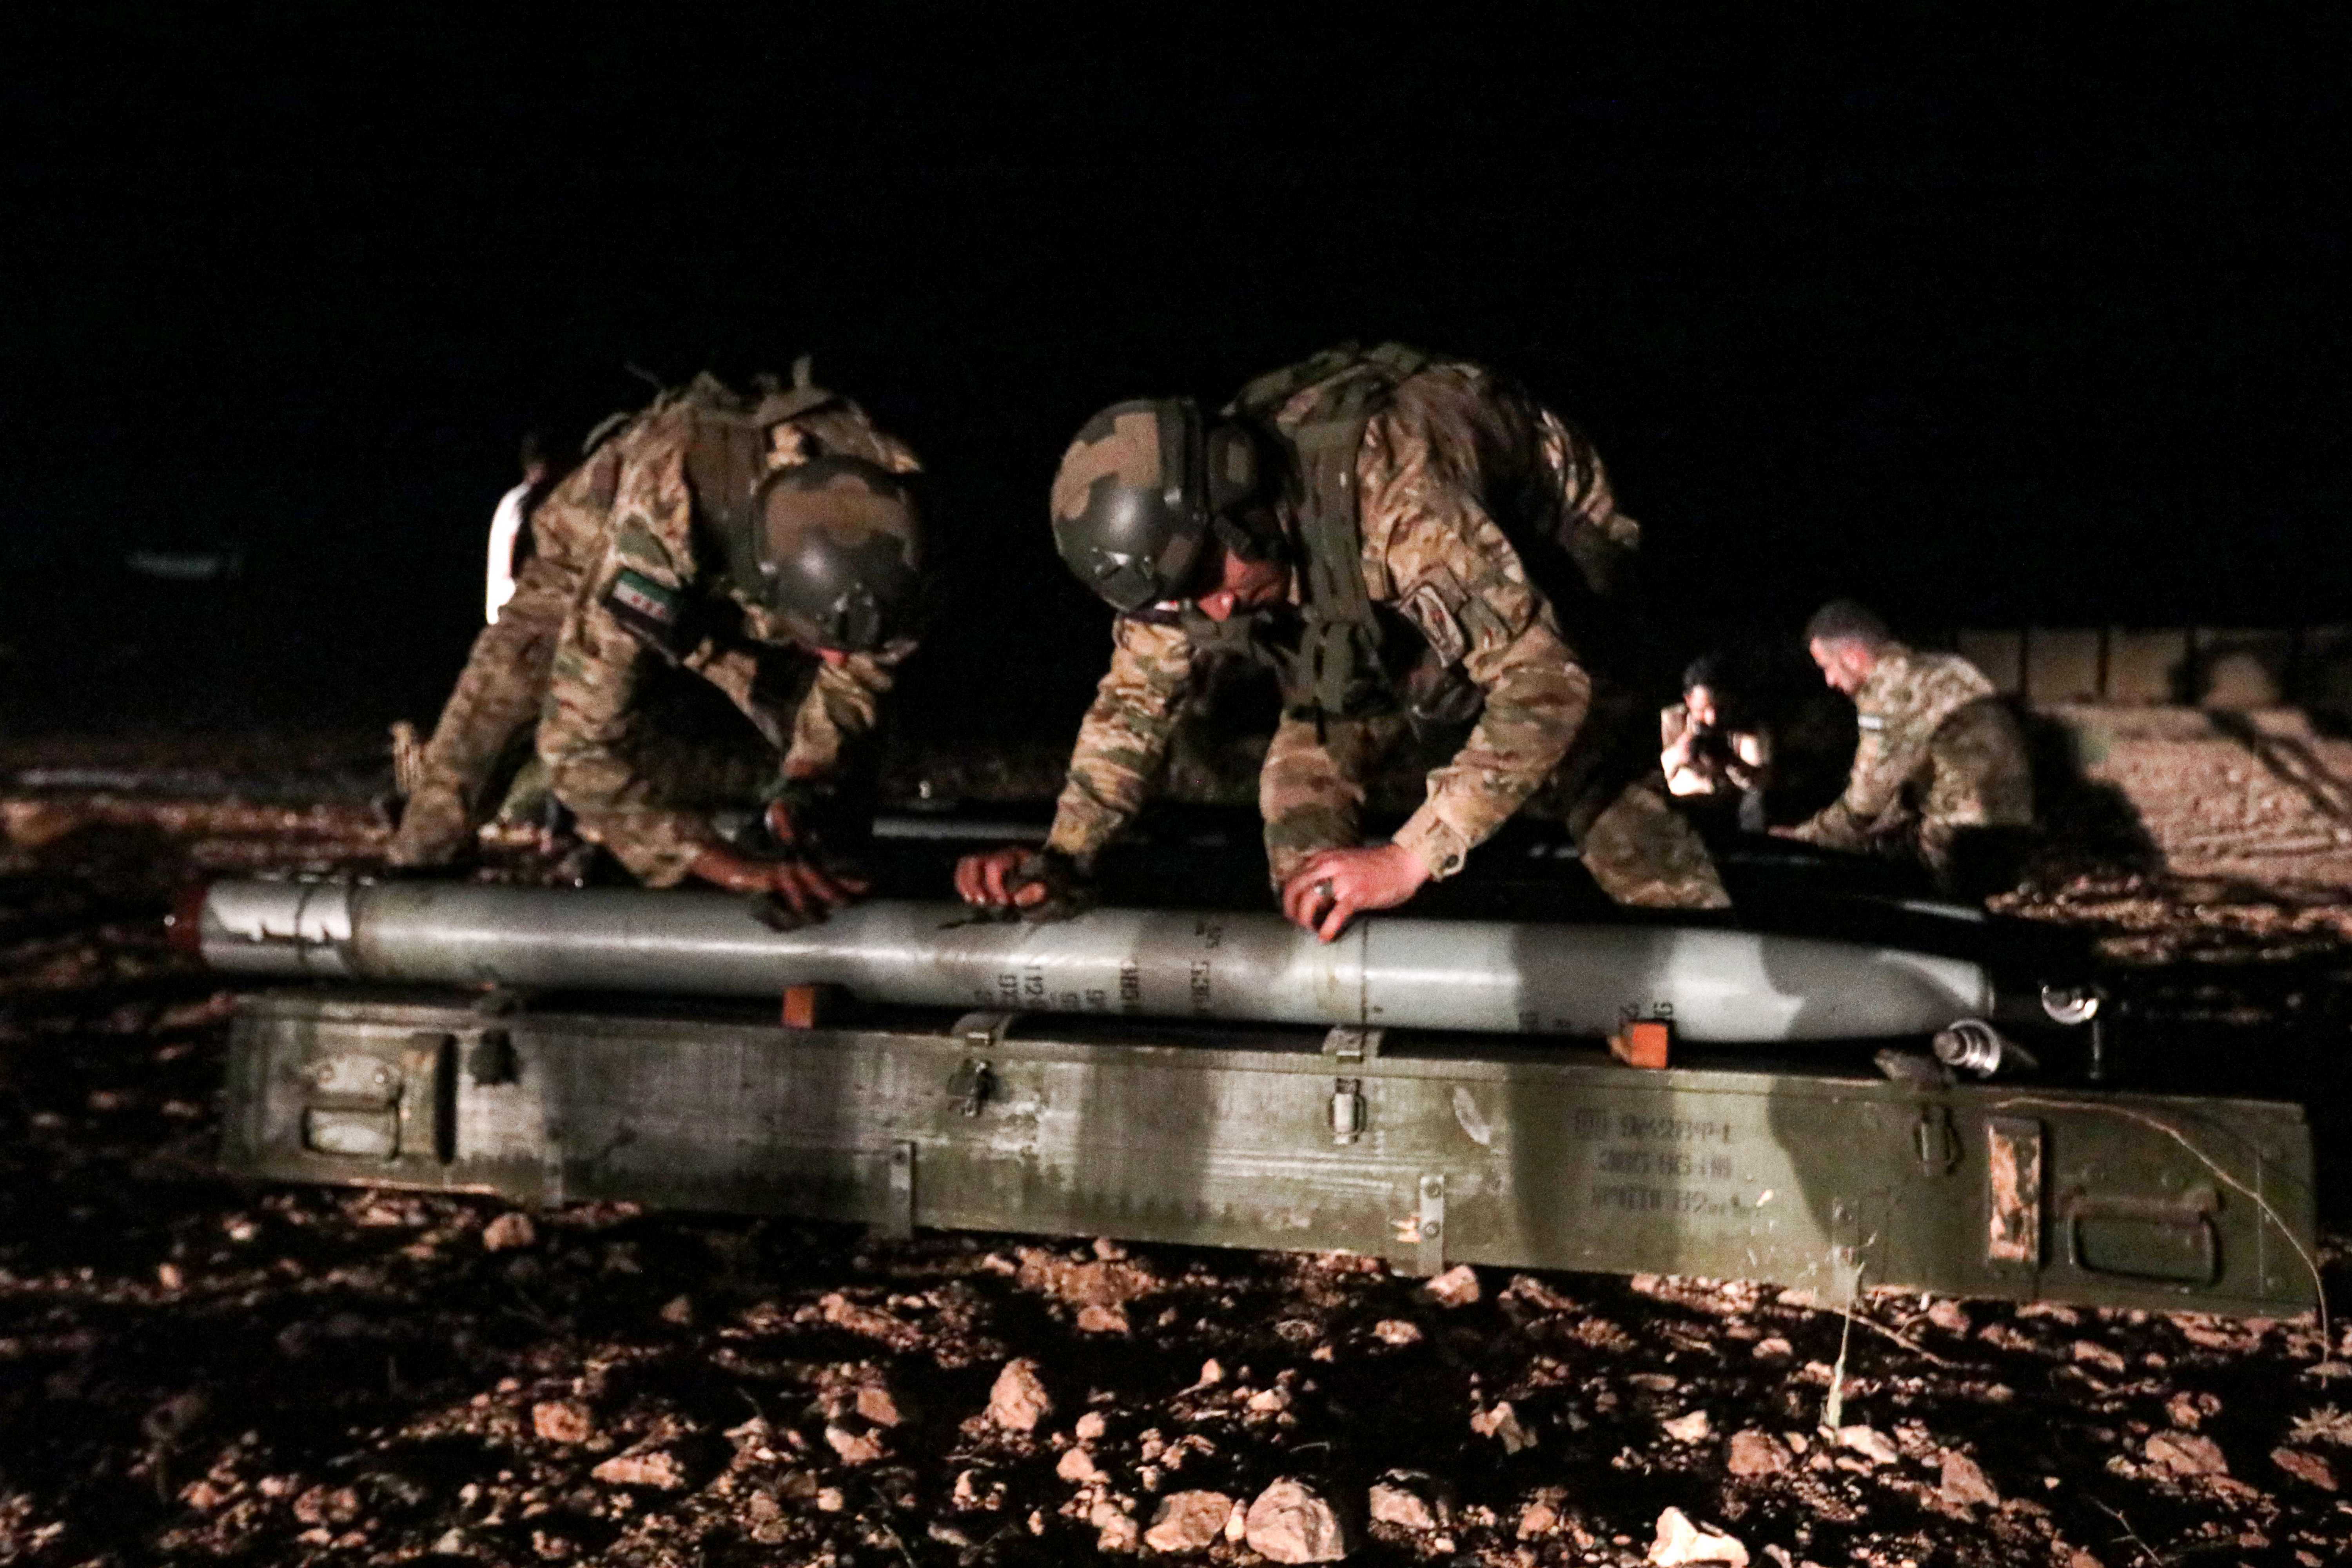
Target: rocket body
x,y
1715,985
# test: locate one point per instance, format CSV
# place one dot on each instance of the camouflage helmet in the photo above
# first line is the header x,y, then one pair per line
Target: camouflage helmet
x,y
1141,491
839,547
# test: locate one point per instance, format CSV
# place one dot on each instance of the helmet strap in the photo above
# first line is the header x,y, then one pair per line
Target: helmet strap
x,y
1249,544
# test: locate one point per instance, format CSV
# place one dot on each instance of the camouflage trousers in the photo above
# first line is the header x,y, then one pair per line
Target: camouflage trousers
x,y
692,746
487,724
1637,846
1972,822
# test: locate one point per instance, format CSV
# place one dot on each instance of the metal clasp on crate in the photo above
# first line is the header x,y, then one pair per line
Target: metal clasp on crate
x,y
1349,1113
974,1079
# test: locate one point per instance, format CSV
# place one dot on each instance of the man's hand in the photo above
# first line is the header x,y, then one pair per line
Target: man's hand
x,y
992,879
1040,884
810,893
1337,885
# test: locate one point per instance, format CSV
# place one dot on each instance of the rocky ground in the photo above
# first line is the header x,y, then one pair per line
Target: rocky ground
x,y
197,1369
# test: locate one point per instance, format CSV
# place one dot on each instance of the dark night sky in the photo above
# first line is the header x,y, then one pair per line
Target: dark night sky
x,y
1983,322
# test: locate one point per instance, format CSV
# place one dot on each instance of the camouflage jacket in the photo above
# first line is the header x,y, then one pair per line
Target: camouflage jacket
x,y
637,488
1452,451
1904,700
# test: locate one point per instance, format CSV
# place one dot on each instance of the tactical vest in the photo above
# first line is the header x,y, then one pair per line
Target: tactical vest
x,y
1336,655
726,458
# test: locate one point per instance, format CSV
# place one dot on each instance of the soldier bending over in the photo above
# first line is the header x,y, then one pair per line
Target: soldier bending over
x,y
1394,535
769,544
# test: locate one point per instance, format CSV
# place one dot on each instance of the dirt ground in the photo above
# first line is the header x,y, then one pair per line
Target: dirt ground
x,y
197,1369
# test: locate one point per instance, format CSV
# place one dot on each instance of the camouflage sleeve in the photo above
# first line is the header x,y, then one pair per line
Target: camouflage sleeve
x,y
844,703
1850,821
1312,790
1124,737
1459,579
587,729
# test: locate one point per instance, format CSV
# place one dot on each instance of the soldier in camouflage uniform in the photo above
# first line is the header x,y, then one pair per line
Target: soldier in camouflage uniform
x,y
1398,538
1939,770
490,715
769,545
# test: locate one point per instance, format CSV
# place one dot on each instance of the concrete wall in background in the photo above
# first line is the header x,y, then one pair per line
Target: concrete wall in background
x,y
2202,666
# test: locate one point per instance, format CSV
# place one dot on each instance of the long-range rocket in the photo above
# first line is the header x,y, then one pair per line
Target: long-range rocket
x,y
1715,984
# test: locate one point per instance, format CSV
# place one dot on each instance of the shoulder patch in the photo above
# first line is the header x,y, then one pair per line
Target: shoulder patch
x,y
646,610
1427,608
636,541
1870,721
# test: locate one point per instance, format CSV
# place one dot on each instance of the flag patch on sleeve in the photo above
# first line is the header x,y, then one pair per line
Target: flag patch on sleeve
x,y
645,609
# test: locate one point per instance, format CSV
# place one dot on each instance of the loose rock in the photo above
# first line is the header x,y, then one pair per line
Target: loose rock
x,y
509,1230
1948,1316
854,1446
870,1321
1093,1320
1187,1521
1457,1287
1693,1427
563,1421
1019,1400
1962,1483
1679,1542
877,1404
2187,1409
1396,1331
2184,1456
1119,1532
327,1505
1078,1467
1755,1454
2306,1467
1403,1505
657,1470
1541,1514
1105,1280
1291,1522
2090,1352
1870,1443
1502,1423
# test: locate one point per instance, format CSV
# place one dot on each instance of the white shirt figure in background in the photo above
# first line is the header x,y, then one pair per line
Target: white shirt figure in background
x,y
507,525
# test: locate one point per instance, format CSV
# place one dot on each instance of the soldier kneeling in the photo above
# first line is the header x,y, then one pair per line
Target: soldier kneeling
x,y
1939,770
